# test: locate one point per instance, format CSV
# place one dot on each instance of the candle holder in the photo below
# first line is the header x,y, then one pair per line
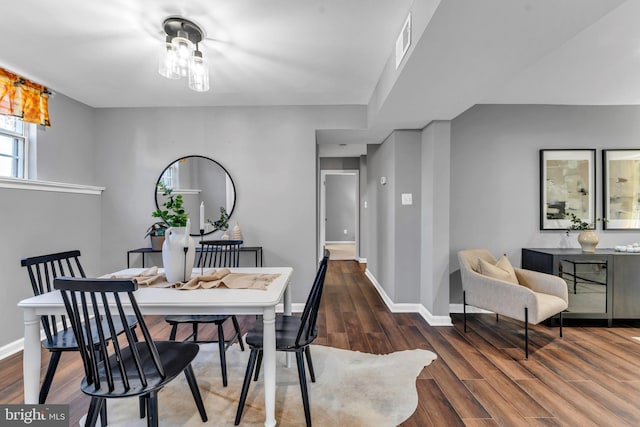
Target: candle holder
x,y
186,249
202,251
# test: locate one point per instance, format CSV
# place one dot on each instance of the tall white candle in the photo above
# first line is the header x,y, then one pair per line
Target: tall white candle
x,y
186,233
201,215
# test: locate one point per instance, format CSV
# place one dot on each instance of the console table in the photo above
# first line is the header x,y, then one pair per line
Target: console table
x,y
257,251
619,287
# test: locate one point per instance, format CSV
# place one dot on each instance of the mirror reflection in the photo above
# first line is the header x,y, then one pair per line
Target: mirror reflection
x,y
199,179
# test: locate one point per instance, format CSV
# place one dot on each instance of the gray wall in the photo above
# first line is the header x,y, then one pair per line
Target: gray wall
x,y
393,251
495,173
66,150
340,208
269,152
40,222
339,163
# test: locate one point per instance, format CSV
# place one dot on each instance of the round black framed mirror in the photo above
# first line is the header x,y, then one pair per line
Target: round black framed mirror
x,y
199,179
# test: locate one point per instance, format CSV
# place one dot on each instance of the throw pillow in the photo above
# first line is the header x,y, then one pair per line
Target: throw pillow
x,y
502,270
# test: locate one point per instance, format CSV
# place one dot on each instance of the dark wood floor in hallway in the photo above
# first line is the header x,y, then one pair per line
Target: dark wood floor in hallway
x,y
591,377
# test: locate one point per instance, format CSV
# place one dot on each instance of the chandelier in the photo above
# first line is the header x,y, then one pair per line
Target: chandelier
x,y
180,56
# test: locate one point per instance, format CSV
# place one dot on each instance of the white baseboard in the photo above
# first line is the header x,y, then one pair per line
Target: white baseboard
x,y
362,260
457,308
408,307
11,348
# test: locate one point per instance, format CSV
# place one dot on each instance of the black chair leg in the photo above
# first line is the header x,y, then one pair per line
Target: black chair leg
x,y
223,357
48,378
94,409
560,324
258,365
142,400
236,325
464,310
174,331
197,397
526,333
194,327
245,385
303,387
312,374
496,317
103,413
152,409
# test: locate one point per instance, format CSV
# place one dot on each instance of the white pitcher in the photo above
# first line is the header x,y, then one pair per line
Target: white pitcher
x,y
177,263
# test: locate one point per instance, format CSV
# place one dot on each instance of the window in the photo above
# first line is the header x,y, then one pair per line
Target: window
x,y
13,147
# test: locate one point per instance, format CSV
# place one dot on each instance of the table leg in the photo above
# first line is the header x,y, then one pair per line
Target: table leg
x,y
31,356
287,311
269,363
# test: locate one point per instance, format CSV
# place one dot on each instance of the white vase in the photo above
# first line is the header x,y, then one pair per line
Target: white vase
x,y
178,264
588,239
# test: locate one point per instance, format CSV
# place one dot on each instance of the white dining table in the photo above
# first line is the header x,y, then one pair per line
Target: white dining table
x,y
163,301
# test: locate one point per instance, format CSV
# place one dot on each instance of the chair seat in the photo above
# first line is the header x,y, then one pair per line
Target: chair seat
x,y
286,332
175,357
65,340
197,318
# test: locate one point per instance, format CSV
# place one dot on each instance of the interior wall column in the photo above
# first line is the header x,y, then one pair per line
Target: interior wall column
x,y
435,223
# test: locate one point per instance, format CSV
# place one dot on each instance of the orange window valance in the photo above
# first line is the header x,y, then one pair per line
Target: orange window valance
x,y
23,98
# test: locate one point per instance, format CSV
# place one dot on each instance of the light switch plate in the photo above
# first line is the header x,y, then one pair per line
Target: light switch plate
x,y
407,198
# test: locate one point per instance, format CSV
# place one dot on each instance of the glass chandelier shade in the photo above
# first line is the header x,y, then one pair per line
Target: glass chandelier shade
x,y
168,61
180,56
198,73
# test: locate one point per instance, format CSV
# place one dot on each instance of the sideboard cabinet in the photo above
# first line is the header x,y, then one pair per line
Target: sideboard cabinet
x,y
602,285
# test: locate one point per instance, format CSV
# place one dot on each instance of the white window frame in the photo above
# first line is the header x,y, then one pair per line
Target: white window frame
x,y
23,159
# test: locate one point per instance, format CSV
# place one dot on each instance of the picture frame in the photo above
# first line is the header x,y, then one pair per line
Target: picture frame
x,y
621,189
567,185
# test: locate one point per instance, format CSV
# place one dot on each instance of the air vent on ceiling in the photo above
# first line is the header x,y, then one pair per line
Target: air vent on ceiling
x,y
404,41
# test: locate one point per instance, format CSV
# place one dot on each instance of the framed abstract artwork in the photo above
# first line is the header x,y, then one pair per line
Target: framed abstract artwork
x,y
567,185
621,183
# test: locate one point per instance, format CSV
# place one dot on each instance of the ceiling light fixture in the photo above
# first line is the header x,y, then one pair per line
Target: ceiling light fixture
x,y
180,56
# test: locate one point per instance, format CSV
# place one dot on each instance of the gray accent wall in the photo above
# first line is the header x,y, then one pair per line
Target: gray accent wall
x,y
495,173
66,150
393,251
39,222
270,152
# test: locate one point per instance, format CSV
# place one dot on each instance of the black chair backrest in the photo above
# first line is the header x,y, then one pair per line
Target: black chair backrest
x,y
42,271
307,331
220,253
91,298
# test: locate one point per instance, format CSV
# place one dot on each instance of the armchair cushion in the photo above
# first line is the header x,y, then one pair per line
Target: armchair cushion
x,y
502,269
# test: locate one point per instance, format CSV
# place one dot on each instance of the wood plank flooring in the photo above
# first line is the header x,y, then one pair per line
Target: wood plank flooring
x,y
591,377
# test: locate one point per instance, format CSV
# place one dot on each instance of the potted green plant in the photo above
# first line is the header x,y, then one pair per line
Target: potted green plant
x,y
173,215
221,223
587,238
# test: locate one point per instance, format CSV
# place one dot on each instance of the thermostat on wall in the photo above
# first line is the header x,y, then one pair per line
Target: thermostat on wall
x,y
383,180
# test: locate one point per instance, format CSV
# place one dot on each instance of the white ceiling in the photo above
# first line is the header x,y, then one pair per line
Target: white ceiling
x,y
336,52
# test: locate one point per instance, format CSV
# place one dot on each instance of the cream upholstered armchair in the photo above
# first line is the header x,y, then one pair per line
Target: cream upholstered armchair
x,y
525,295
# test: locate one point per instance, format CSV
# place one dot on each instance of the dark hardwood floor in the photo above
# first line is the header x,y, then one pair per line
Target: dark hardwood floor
x,y
591,377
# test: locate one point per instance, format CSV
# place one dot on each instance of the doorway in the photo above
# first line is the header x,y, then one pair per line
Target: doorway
x,y
339,213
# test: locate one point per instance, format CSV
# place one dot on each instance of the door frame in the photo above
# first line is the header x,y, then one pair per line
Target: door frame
x,y
323,206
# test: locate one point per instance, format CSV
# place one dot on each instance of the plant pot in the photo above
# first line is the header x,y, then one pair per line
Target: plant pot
x,y
588,239
156,242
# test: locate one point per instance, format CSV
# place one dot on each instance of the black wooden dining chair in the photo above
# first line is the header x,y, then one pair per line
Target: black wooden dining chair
x,y
293,334
131,366
59,336
217,254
